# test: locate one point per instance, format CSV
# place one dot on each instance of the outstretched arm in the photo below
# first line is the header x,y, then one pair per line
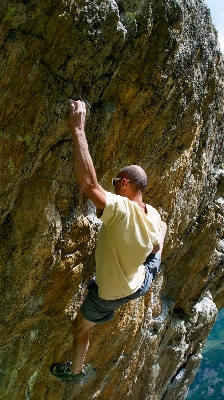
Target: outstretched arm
x,y
83,165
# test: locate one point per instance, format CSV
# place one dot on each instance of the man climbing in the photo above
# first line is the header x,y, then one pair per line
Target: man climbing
x,y
128,252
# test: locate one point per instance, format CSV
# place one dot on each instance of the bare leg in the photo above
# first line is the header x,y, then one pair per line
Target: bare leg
x,y
80,329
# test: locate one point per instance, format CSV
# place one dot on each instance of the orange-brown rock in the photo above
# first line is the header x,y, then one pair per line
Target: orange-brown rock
x,y
152,74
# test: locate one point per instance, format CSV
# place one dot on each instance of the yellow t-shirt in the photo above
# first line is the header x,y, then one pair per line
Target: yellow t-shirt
x,y
126,237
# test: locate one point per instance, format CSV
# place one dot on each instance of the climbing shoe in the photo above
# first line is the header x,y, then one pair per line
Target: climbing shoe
x,y
64,372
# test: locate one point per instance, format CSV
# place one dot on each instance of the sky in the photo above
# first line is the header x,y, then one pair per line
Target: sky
x,y
217,14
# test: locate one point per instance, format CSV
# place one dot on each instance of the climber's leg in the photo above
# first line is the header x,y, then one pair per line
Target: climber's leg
x,y
81,329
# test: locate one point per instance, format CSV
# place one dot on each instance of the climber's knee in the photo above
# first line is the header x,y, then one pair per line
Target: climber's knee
x,y
80,325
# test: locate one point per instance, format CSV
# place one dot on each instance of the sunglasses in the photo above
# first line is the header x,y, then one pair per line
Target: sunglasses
x,y
118,179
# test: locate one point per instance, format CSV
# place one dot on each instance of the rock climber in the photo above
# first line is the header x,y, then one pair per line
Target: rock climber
x,y
128,251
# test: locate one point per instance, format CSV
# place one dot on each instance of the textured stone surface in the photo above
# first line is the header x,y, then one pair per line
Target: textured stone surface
x,y
152,74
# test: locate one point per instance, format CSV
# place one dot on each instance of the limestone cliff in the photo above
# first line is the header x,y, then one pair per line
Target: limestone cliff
x,y
152,74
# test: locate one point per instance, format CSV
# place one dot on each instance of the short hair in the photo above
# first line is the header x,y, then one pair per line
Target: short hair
x,y
136,175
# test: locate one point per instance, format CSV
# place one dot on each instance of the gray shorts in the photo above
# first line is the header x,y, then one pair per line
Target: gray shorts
x,y
98,310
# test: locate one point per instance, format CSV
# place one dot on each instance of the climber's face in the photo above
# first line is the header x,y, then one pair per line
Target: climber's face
x,y
120,185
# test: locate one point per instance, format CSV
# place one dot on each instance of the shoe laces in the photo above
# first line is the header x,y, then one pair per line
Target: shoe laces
x,y
64,367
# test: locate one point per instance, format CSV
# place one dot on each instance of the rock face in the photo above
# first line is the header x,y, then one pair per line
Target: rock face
x,y
152,75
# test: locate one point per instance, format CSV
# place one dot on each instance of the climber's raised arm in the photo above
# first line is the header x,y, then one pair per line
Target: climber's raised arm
x,y
83,165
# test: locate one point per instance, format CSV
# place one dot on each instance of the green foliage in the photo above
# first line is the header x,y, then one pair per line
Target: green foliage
x,y
24,53
10,14
130,17
11,166
27,139
131,4
209,381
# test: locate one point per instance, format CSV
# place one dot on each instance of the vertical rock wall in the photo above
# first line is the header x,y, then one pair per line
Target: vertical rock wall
x,y
152,75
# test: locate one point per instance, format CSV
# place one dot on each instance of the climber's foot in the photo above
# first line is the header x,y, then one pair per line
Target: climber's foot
x,y
64,372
